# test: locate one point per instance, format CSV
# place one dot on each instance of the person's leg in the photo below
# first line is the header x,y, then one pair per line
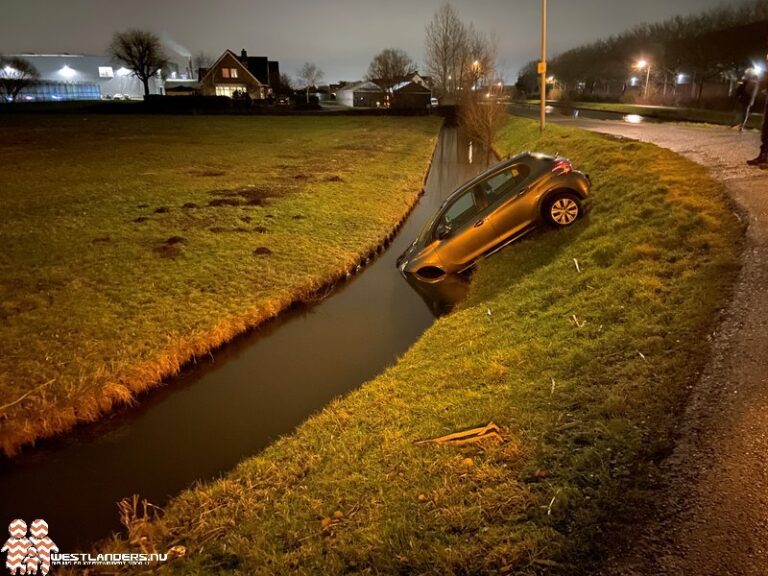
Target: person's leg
x,y
762,158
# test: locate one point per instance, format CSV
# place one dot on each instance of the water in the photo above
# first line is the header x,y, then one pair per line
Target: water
x,y
255,389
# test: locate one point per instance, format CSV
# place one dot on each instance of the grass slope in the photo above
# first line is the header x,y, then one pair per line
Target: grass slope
x,y
585,372
132,244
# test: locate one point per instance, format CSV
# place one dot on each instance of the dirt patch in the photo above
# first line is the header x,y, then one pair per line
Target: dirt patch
x,y
209,173
141,219
334,178
246,219
175,240
190,205
299,217
101,240
262,251
222,229
302,176
225,202
269,216
249,195
171,251
260,230
162,210
143,206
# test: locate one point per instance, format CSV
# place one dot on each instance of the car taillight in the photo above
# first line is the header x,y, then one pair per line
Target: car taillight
x,y
562,167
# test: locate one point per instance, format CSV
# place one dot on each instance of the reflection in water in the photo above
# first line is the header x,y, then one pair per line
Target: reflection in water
x,y
441,297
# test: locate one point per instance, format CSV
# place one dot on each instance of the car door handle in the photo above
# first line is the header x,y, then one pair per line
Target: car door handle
x,y
479,223
523,191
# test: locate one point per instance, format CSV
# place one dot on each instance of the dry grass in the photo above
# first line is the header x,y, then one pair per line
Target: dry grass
x,y
580,345
134,244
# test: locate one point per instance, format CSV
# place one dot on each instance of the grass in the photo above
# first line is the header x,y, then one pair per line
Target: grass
x,y
673,114
585,372
133,244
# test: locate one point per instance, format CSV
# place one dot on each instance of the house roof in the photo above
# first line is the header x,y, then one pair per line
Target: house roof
x,y
411,87
237,60
362,86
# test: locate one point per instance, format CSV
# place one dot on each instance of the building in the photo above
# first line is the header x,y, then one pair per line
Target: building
x,y
81,77
231,75
361,94
411,95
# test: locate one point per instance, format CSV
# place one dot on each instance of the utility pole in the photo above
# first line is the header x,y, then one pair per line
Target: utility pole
x,y
543,65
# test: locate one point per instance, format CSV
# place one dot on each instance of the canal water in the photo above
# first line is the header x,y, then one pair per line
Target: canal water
x,y
261,386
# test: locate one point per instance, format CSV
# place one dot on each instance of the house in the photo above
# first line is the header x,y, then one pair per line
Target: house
x,y
230,76
411,95
361,94
81,77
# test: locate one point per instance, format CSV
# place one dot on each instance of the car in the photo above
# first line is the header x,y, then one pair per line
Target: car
x,y
433,102
494,209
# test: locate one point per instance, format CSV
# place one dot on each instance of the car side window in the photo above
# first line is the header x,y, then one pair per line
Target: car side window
x,y
461,210
505,182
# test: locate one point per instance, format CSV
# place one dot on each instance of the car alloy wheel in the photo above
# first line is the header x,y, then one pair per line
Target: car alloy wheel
x,y
564,211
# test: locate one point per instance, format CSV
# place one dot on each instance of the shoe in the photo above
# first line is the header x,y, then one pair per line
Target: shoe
x,y
760,160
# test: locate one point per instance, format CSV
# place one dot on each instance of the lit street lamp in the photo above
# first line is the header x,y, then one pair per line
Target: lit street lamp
x,y
543,65
645,65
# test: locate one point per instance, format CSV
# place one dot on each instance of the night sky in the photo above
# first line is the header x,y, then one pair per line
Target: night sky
x,y
340,36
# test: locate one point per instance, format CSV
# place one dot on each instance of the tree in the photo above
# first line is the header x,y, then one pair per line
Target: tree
x,y
141,52
15,75
445,48
310,75
390,66
482,114
284,85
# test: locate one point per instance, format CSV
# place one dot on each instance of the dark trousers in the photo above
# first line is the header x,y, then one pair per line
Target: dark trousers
x,y
764,132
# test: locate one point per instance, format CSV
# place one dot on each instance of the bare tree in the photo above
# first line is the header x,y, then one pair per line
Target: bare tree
x,y
202,60
390,66
141,52
310,75
482,116
445,48
286,84
15,75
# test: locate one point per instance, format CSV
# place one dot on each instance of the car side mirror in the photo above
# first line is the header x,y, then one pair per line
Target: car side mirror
x,y
443,230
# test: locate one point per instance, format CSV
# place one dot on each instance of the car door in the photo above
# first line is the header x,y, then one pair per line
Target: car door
x,y
508,201
468,231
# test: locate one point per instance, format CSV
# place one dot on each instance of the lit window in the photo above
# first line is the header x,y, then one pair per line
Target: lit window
x,y
225,72
230,89
233,72
106,72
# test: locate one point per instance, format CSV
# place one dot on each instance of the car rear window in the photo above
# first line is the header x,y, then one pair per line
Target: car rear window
x,y
505,182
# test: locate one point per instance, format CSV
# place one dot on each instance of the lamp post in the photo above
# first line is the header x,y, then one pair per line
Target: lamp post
x,y
543,66
643,64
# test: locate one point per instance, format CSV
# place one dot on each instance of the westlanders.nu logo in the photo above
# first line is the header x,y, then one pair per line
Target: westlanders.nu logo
x,y
29,554
36,553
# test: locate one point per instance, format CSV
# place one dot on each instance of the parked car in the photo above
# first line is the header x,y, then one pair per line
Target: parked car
x,y
494,209
433,102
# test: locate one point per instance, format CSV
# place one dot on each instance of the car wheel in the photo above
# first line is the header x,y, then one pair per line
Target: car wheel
x,y
562,209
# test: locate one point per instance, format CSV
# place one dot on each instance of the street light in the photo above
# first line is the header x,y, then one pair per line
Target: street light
x,y
543,66
643,64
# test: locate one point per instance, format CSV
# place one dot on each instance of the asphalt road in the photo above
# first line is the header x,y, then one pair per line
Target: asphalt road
x,y
712,517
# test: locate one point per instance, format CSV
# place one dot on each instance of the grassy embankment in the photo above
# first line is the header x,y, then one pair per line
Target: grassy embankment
x,y
133,244
670,114
585,372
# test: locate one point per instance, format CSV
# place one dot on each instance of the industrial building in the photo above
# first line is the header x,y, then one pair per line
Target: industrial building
x,y
81,77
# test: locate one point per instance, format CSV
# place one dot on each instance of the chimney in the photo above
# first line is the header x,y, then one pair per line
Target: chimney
x,y
243,55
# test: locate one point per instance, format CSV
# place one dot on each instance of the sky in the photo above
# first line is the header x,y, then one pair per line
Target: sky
x,y
340,36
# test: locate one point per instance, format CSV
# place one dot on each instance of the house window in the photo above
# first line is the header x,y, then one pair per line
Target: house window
x,y
230,89
233,72
106,72
225,72
229,72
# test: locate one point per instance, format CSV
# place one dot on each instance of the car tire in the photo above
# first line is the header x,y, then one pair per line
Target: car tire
x,y
562,209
